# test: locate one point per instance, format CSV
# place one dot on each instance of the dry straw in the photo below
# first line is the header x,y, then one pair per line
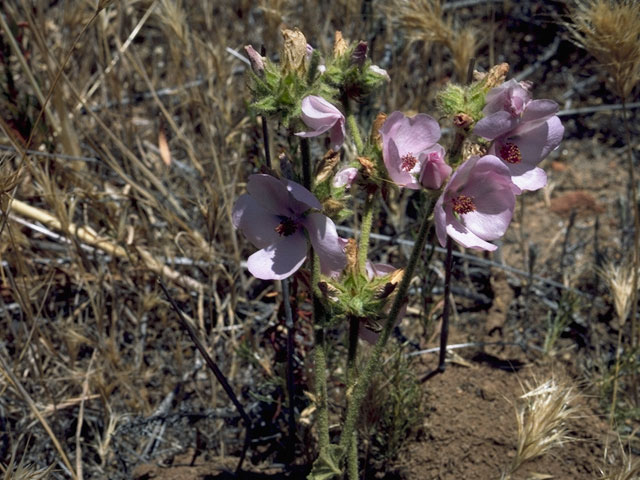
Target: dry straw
x,y
542,421
610,31
424,21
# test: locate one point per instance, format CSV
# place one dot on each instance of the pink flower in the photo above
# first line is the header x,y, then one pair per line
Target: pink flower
x,y
321,116
345,177
477,204
409,143
523,131
276,216
434,169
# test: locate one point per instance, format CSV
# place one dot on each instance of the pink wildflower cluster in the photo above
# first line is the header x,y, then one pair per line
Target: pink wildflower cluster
x,y
478,201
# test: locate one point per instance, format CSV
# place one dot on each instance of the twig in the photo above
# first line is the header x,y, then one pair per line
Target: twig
x,y
474,259
86,236
216,371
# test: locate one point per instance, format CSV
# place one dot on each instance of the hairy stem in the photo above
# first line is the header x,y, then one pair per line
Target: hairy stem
x,y
373,363
365,232
355,132
352,453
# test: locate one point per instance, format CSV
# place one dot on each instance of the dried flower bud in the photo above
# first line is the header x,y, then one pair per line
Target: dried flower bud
x,y
396,276
366,164
326,165
257,60
294,52
340,46
351,250
462,120
496,76
376,138
328,291
332,207
359,55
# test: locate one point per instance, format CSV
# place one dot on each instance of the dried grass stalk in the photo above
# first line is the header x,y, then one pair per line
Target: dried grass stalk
x,y
610,31
542,421
424,21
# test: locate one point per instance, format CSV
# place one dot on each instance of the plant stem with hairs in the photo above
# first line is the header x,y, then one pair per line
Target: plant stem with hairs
x,y
319,319
365,232
373,363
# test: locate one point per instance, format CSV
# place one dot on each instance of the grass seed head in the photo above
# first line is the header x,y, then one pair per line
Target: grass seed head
x,y
542,421
610,31
620,281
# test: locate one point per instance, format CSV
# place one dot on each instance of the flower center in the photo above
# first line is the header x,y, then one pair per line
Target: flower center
x,y
510,153
287,227
463,204
408,162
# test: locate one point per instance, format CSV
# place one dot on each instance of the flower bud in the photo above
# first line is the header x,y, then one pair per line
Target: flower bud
x,y
376,137
294,52
340,46
326,165
257,60
359,54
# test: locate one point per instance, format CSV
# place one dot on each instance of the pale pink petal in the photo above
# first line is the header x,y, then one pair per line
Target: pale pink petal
x,y
305,197
345,177
538,110
414,134
321,116
271,193
531,180
326,243
495,125
257,224
466,237
279,260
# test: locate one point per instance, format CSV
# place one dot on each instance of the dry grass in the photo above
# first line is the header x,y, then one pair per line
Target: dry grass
x,y
610,31
424,21
542,421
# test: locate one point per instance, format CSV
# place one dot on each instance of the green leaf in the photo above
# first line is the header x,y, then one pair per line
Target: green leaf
x,y
327,465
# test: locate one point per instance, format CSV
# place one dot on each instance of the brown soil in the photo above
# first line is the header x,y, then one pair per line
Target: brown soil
x,y
470,433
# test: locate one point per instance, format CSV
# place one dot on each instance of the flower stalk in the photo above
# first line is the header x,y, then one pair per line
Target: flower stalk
x,y
373,363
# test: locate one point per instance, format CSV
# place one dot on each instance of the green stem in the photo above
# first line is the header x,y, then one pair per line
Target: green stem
x,y
373,363
365,232
352,453
352,458
320,368
355,132
320,358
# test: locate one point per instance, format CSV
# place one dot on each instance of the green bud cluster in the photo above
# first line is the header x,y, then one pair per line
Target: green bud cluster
x,y
468,100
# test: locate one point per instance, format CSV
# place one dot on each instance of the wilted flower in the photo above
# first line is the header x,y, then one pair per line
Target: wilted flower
x,y
321,116
523,131
407,144
345,177
295,53
477,204
370,331
274,216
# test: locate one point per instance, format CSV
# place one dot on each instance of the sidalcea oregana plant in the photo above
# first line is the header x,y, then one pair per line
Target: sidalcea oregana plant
x,y
501,135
